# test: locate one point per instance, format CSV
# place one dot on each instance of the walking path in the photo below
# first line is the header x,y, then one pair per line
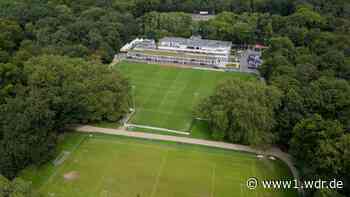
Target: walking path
x,y
276,152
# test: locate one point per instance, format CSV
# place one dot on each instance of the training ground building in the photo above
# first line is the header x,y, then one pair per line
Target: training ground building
x,y
193,51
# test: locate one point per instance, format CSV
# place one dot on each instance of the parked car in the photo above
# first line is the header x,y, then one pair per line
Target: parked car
x,y
254,61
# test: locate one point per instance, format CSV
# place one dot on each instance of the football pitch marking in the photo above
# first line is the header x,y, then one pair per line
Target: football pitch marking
x,y
169,87
213,181
254,172
155,186
221,145
168,94
104,193
233,165
161,166
61,158
54,174
164,98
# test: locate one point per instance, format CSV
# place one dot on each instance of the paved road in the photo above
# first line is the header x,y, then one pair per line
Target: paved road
x,y
273,151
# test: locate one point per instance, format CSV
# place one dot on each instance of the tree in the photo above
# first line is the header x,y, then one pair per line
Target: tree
x,y
27,132
59,91
344,71
10,75
297,34
327,193
241,112
240,29
306,73
264,28
314,146
157,25
306,17
144,6
281,45
274,65
344,147
330,97
94,31
5,186
333,60
10,36
77,90
27,50
16,188
292,108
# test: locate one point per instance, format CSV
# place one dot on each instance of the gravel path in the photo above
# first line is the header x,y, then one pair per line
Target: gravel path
x,y
272,151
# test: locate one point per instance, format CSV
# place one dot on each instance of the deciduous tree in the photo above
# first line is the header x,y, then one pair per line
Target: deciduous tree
x,y
242,112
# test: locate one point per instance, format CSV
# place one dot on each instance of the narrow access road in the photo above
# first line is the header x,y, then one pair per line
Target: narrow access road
x,y
276,152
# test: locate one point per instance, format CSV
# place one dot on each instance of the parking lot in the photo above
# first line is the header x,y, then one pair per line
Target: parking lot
x,y
245,65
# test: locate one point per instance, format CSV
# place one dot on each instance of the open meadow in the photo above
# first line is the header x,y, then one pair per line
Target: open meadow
x,y
111,166
166,96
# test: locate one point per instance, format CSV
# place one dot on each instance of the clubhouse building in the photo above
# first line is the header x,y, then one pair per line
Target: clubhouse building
x,y
193,51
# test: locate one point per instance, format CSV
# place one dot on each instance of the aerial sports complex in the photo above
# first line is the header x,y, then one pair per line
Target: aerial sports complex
x,y
193,51
165,91
90,165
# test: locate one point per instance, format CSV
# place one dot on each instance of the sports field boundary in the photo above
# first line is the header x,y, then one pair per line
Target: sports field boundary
x,y
127,121
127,125
274,151
183,66
72,150
61,158
128,118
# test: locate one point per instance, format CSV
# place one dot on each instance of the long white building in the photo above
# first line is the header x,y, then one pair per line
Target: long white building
x,y
190,51
195,45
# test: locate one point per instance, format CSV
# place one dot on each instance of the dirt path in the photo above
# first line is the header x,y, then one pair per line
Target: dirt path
x,y
273,151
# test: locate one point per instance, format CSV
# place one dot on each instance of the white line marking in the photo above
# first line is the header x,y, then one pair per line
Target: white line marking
x,y
213,182
164,159
61,166
157,128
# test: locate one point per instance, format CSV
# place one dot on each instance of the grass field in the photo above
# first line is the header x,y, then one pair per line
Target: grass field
x,y
166,96
111,166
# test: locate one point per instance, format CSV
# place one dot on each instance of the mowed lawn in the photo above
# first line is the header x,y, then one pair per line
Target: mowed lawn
x,y
111,166
166,96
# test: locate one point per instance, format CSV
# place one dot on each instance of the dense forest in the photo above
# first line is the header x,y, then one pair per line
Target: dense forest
x,y
54,58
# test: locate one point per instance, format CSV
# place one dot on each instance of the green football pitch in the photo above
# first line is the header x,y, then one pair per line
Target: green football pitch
x,y
166,96
111,166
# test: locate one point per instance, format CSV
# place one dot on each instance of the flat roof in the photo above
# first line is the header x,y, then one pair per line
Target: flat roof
x,y
197,41
174,54
146,44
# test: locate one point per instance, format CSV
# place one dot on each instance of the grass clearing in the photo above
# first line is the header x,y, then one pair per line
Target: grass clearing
x,y
106,165
67,142
166,96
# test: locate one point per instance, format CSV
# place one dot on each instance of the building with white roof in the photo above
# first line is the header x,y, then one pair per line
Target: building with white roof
x,y
195,45
188,51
